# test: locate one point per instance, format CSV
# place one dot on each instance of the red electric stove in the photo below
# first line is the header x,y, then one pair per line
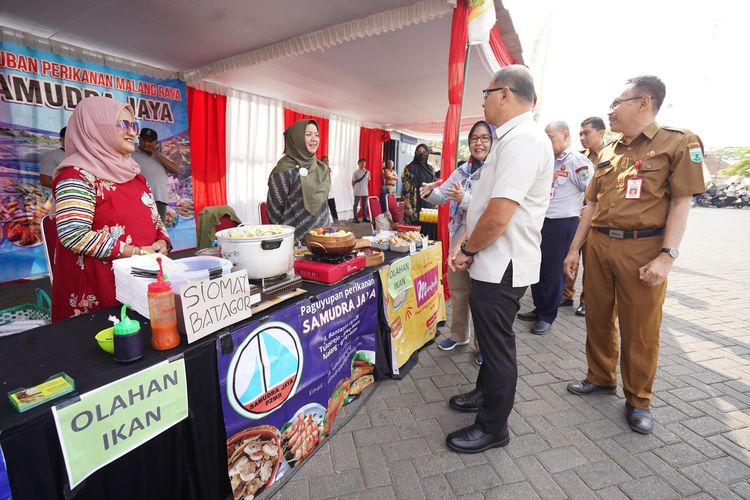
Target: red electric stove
x,y
328,269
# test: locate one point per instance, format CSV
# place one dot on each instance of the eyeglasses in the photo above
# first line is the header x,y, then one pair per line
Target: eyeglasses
x,y
486,92
485,139
617,102
124,125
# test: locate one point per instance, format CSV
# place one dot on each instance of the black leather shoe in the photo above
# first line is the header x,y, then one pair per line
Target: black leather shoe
x,y
639,419
469,402
356,221
584,388
529,316
566,303
472,440
581,311
541,328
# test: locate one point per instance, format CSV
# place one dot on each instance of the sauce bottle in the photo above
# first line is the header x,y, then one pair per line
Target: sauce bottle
x,y
128,338
162,313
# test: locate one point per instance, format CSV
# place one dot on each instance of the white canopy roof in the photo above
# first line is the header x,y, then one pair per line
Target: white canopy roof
x,y
381,62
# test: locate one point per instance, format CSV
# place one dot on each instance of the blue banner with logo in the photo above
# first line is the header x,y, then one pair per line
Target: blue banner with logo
x,y
4,484
284,380
38,92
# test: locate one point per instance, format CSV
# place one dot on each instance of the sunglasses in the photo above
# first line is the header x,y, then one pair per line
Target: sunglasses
x,y
124,125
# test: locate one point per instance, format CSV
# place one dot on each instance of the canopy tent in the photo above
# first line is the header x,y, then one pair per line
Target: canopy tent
x,y
360,67
381,63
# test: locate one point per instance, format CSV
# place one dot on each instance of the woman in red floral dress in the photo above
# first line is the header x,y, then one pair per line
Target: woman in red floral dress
x,y
104,207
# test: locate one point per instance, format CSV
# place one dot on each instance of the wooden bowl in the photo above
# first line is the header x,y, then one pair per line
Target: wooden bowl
x,y
331,245
373,256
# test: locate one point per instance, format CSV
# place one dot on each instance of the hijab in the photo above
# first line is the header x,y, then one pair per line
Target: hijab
x,y
91,141
423,171
476,164
471,171
317,182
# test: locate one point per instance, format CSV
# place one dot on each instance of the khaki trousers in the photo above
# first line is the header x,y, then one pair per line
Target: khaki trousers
x,y
462,327
615,290
570,284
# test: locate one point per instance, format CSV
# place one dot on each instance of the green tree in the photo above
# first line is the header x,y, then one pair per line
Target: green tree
x,y
739,159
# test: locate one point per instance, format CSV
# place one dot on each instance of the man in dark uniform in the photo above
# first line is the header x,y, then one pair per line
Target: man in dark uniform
x,y
637,207
592,140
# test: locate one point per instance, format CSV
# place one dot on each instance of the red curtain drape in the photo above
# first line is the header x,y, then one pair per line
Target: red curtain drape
x,y
292,116
502,54
456,73
208,148
371,149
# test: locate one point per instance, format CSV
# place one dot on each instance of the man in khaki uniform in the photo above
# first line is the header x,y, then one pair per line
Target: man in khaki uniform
x,y
637,208
592,140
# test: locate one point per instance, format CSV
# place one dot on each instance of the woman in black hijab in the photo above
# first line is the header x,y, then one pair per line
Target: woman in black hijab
x,y
415,174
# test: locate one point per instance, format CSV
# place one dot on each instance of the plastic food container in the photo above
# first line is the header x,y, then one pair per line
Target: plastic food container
x,y
199,268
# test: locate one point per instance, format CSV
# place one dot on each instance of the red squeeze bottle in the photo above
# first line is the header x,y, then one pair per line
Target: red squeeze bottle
x,y
162,312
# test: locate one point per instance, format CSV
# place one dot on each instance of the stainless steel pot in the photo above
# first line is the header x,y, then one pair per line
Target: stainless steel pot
x,y
262,256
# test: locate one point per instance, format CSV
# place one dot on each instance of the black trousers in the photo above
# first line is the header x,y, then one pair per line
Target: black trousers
x,y
332,207
493,308
557,235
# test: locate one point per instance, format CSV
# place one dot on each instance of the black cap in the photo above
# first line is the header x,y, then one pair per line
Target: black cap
x,y
148,134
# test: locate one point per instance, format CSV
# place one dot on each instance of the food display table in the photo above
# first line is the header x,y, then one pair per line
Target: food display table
x,y
189,460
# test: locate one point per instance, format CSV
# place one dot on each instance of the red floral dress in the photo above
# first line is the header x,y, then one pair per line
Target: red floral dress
x,y
95,220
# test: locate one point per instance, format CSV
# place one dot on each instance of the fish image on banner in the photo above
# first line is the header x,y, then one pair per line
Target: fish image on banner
x,y
265,370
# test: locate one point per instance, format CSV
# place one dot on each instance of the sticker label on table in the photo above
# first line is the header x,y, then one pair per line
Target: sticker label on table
x,y
106,423
399,276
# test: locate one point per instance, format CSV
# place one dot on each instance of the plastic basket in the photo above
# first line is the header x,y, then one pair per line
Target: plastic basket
x,y
41,310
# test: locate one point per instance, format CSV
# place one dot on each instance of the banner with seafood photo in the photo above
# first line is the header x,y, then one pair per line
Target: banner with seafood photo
x,y
284,379
414,304
38,92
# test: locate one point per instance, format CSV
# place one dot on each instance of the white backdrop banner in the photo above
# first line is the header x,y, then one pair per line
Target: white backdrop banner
x,y
255,142
343,153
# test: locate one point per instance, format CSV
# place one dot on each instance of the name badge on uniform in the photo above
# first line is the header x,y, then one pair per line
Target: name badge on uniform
x,y
634,189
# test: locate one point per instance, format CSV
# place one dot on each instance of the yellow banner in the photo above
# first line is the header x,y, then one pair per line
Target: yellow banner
x,y
413,314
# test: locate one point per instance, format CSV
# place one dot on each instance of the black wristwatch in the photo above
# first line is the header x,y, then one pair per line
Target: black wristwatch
x,y
672,252
466,252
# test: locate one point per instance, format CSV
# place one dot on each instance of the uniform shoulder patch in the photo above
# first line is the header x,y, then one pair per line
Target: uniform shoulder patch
x,y
696,152
583,172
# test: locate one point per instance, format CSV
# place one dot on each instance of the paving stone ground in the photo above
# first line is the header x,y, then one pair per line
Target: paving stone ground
x,y
565,446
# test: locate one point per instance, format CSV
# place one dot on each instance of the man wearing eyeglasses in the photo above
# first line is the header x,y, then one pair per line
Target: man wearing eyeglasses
x,y
592,140
154,167
572,174
636,212
501,251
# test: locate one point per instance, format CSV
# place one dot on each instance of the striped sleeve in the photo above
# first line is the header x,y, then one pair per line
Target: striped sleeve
x,y
75,200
